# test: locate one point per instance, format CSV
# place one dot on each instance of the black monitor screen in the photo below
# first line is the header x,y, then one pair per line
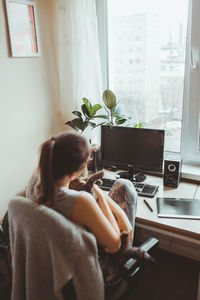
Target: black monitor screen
x,y
122,146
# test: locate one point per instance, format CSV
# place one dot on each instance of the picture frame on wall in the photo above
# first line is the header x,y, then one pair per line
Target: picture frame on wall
x,y
23,28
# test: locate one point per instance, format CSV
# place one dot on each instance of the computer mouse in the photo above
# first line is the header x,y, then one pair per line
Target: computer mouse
x,y
139,177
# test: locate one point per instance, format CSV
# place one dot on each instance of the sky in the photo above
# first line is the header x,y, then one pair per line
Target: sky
x,y
170,12
173,8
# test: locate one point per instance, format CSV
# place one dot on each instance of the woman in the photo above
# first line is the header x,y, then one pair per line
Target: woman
x,y
64,158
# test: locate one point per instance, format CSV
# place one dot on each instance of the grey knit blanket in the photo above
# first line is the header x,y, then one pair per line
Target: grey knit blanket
x,y
47,251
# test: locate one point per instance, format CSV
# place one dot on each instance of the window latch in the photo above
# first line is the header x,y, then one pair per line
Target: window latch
x,y
193,63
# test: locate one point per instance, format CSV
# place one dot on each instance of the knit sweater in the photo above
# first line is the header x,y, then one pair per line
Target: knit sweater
x,y
48,251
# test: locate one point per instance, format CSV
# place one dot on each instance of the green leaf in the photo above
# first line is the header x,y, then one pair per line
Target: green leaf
x,y
92,124
109,99
117,116
100,117
108,124
84,125
85,111
117,112
68,123
103,123
95,108
77,113
140,125
76,123
88,105
120,121
116,109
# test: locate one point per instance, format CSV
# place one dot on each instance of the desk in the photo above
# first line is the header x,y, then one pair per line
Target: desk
x,y
180,236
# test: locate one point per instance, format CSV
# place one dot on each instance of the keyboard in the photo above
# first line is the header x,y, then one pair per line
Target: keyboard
x,y
143,189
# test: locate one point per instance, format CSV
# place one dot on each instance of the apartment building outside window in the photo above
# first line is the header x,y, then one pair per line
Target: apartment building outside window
x,y
164,57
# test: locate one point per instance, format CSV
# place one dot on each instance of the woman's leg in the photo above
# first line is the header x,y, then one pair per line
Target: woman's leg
x,y
124,194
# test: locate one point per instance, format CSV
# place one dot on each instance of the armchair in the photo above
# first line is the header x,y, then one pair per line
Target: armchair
x,y
54,259
48,251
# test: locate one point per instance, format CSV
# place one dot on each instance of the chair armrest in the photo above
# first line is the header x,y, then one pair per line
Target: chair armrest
x,y
132,265
149,244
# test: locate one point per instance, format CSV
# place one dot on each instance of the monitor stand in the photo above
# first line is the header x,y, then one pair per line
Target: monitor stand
x,y
133,175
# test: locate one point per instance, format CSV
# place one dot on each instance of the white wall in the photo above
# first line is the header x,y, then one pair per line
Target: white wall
x,y
29,105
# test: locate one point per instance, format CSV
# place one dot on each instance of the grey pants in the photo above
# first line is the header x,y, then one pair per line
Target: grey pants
x,y
125,195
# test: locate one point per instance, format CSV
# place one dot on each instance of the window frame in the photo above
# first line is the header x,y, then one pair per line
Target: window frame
x,y
190,133
191,100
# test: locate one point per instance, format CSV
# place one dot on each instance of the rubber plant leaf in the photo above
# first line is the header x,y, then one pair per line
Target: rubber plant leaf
x,y
139,125
100,116
77,113
103,123
120,121
85,111
88,105
92,124
109,99
95,108
108,124
77,124
84,125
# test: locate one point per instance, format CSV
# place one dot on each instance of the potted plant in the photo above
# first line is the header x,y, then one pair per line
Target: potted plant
x,y
86,116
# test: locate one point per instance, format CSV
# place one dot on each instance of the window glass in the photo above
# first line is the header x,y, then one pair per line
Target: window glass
x,y
147,42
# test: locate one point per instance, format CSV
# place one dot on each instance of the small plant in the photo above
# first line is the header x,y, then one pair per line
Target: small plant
x,y
86,116
113,113
139,125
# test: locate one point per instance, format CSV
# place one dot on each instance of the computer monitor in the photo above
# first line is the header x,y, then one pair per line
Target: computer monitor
x,y
140,148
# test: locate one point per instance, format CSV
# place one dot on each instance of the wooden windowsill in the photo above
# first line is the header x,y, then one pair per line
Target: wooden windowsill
x,y
185,228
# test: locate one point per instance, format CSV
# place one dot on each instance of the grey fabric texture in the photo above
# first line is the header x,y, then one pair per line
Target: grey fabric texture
x,y
47,251
65,197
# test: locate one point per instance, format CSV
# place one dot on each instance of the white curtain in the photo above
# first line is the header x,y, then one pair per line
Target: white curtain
x,y
78,54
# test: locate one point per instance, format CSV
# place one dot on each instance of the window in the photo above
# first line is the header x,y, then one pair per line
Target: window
x,y
165,33
138,38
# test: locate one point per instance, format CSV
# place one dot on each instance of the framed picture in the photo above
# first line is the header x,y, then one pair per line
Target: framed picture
x,y
23,28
